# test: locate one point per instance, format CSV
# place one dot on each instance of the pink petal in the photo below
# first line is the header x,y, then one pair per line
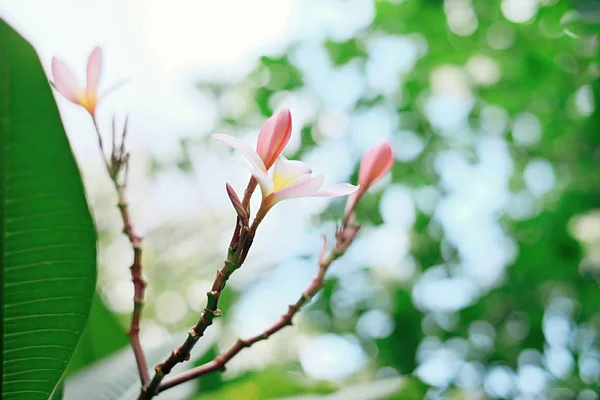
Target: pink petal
x,y
243,148
341,189
94,69
375,163
258,167
65,81
301,188
274,136
299,179
286,171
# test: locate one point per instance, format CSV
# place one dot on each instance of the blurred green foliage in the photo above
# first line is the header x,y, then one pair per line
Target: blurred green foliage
x,y
271,383
546,66
543,65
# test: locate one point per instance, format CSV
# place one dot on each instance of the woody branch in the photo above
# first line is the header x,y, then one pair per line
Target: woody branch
x,y
240,245
118,169
344,238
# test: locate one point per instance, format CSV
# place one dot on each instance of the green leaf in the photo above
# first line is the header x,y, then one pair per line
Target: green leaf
x,y
119,376
211,382
48,241
58,392
343,52
383,389
268,384
103,335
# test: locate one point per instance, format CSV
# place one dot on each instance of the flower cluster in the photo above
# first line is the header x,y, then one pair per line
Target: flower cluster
x,y
290,179
278,177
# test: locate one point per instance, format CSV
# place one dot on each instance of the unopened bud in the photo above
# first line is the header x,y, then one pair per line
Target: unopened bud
x,y
235,201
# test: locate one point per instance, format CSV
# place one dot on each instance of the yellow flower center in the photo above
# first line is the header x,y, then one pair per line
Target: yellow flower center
x,y
280,180
88,100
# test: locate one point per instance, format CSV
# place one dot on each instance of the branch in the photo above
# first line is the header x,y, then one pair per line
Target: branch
x,y
119,160
344,238
239,247
139,284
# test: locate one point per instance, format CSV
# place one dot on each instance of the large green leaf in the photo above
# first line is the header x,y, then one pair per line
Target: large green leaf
x,y
48,241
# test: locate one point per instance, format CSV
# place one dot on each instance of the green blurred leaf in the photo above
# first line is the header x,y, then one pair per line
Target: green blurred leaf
x,y
402,357
48,245
342,52
265,385
210,382
103,335
384,389
412,388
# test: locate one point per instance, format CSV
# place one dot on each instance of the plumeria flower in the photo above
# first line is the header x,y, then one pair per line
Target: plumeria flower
x,y
375,164
67,84
274,136
289,178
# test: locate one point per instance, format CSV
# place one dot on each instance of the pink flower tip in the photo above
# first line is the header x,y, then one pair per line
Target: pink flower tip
x,y
274,136
68,85
375,164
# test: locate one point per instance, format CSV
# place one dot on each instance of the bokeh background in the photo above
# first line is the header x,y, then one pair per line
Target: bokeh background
x,y
476,272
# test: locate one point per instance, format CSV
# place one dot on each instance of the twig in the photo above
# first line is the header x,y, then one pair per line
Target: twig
x,y
239,247
101,146
139,283
344,238
119,159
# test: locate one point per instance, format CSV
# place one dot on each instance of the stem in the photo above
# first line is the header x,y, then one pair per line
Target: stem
x,y
139,284
101,145
344,240
241,242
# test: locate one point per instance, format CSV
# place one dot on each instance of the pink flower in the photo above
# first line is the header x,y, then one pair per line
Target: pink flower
x,y
67,84
375,164
274,136
289,179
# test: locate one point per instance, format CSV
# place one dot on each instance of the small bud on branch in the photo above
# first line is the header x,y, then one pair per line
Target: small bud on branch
x,y
237,204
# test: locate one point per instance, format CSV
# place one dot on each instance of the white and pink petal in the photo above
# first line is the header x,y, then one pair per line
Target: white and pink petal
x,y
94,70
258,169
341,189
285,171
65,81
244,148
301,187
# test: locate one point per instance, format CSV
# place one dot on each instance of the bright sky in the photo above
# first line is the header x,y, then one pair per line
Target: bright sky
x,y
164,47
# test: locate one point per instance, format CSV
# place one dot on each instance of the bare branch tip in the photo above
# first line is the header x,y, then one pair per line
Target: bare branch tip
x,y
125,128
236,202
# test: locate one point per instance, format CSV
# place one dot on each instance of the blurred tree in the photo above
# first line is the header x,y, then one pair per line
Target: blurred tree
x,y
500,93
477,270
